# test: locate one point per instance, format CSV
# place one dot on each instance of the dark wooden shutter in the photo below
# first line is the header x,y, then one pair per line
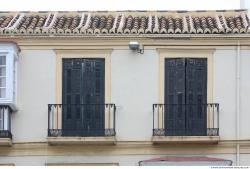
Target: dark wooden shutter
x,y
71,95
196,96
93,93
175,96
185,96
83,86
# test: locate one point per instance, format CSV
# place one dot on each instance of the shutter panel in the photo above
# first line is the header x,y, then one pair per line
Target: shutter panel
x,y
83,83
93,93
71,95
175,96
99,73
86,95
196,94
185,96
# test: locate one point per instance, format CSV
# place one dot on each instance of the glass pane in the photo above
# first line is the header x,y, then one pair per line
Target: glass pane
x,y
2,71
2,93
2,81
2,60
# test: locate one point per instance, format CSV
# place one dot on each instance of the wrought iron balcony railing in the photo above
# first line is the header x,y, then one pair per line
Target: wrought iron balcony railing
x,y
5,124
84,120
186,119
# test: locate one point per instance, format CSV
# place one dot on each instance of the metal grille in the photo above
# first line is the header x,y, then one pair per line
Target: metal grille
x,y
83,127
210,126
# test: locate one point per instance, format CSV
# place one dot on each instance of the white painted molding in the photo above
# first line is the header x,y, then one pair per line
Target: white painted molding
x,y
244,19
185,24
47,20
81,21
112,30
149,29
52,21
225,23
192,30
18,21
87,22
121,25
156,28
11,21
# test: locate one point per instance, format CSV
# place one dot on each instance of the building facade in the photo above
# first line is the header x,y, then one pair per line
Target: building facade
x,y
124,88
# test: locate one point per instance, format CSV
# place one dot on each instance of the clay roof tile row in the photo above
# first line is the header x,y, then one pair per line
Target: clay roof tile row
x,y
124,22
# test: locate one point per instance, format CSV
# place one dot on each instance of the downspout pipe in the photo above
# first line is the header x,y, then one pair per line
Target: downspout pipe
x,y
238,60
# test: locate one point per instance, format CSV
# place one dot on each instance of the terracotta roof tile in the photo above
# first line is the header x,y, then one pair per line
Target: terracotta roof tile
x,y
5,21
125,22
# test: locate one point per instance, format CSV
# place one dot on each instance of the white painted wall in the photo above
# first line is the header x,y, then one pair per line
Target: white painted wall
x,y
244,159
224,91
135,88
245,95
36,89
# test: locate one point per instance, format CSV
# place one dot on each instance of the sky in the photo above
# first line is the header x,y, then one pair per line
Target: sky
x,y
94,5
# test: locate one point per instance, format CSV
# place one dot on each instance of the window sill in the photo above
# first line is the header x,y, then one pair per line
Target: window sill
x,y
5,141
185,139
81,140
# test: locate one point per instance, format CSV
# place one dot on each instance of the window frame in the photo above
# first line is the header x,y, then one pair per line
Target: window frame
x,y
5,76
165,53
10,53
91,54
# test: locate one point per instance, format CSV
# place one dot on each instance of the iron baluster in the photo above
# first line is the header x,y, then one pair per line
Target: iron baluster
x,y
89,127
204,113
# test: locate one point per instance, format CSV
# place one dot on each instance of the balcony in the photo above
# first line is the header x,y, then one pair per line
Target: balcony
x,y
81,123
5,133
186,123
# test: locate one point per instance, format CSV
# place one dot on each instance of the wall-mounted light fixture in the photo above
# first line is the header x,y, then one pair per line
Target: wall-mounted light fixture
x,y
134,45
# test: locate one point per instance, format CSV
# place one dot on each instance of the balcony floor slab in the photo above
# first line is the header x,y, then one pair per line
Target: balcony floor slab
x,y
81,140
185,139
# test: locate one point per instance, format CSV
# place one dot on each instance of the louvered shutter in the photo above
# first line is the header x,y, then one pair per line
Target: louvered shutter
x,y
83,84
71,95
196,96
185,96
93,93
174,96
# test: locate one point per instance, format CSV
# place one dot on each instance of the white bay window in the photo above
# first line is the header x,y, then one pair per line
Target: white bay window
x,y
2,76
8,59
8,62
